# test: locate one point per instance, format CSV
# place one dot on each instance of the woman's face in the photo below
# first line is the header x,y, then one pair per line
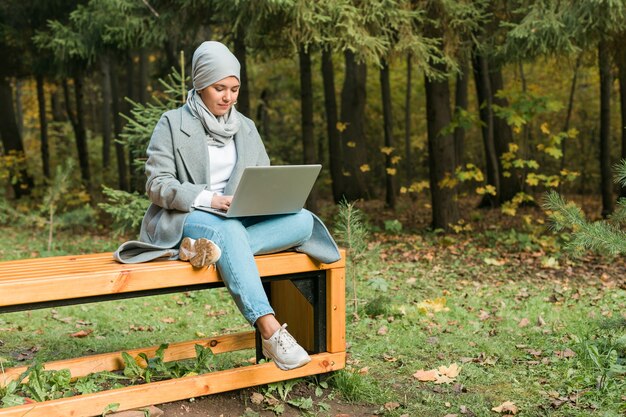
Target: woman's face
x,y
220,97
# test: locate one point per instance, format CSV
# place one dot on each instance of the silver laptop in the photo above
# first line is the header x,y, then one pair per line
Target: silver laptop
x,y
275,189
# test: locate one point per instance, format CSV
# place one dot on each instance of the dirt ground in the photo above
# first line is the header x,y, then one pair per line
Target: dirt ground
x,y
239,403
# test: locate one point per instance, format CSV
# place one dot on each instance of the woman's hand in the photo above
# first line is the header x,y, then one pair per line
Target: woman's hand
x,y
221,202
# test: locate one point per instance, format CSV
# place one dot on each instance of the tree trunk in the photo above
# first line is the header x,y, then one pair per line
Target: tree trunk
x,y
621,65
144,71
334,138
137,178
19,108
105,67
408,159
570,107
80,131
306,117
483,93
461,103
385,84
11,138
55,105
353,96
440,153
243,101
502,136
43,127
606,81
120,155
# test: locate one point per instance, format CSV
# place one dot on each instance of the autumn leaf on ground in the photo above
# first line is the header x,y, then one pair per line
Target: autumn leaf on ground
x,y
523,322
82,333
442,375
433,306
443,379
452,371
425,376
567,353
507,407
495,262
256,398
168,320
391,406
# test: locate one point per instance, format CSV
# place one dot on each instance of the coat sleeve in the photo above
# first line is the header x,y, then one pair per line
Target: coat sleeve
x,y
163,186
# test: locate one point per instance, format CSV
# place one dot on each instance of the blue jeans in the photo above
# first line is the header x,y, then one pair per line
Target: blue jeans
x,y
242,238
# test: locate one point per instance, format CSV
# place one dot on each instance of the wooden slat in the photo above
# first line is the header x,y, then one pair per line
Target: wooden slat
x,y
86,365
116,278
176,389
336,310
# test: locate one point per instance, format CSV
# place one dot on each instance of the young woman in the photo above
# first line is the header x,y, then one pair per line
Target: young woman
x,y
196,157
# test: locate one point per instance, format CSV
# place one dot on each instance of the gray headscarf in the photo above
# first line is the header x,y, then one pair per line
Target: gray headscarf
x,y
212,62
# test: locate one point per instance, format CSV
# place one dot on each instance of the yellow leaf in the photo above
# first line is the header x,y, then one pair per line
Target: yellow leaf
x,y
346,173
395,159
391,171
341,126
364,168
545,129
490,189
433,306
141,362
386,150
403,190
506,407
425,376
351,144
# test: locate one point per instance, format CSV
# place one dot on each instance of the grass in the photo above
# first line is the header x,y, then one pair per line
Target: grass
x,y
524,323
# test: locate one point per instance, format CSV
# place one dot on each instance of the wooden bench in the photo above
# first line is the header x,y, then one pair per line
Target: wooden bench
x,y
310,296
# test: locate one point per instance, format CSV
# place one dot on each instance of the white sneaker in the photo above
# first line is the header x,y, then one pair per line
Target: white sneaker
x,y
199,252
284,349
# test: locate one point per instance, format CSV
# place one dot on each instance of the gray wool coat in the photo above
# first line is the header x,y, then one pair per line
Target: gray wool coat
x,y
178,171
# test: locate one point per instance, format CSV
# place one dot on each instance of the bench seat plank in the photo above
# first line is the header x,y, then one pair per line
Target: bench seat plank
x,y
61,278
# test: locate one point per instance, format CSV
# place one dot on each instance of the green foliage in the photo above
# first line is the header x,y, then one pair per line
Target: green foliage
x,y
126,209
393,226
42,385
351,232
602,236
144,117
600,369
12,168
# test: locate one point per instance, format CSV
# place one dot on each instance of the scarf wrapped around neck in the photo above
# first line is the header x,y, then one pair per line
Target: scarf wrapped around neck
x,y
220,130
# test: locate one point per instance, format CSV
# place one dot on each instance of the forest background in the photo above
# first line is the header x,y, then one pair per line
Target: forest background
x,y
444,121
503,99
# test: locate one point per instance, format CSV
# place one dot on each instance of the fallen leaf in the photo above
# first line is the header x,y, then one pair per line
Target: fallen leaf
x,y
523,322
451,415
495,262
484,315
256,398
425,376
443,379
540,321
168,320
382,331
391,406
567,353
433,306
507,407
364,371
82,333
452,371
